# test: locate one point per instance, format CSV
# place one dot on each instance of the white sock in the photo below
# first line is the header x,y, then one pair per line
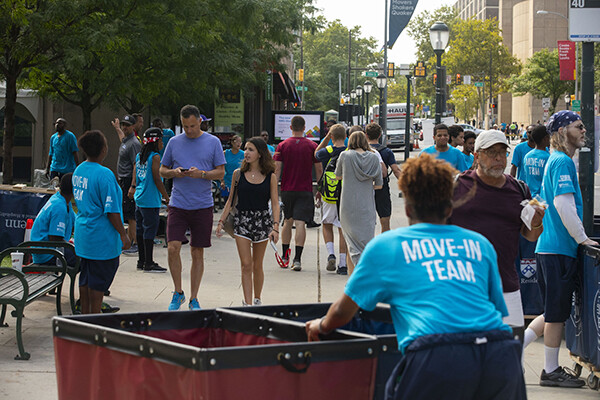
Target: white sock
x,y
529,337
342,259
551,357
330,248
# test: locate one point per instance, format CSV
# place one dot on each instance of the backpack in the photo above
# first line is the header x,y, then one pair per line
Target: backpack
x,y
329,187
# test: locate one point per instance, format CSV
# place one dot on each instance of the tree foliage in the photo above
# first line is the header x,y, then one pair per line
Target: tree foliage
x,y
325,53
541,78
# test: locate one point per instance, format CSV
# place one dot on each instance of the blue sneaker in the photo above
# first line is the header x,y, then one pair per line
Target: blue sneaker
x,y
177,301
194,304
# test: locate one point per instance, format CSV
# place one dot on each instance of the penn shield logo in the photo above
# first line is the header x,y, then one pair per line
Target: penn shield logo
x,y
528,267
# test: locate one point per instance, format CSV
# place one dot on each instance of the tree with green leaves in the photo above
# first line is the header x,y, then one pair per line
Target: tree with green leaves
x,y
325,52
541,78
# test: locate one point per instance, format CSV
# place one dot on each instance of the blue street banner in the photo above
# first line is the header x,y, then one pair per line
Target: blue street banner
x,y
16,207
400,13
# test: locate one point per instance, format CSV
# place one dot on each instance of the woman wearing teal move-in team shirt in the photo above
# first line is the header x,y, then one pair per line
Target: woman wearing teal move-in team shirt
x,y
445,295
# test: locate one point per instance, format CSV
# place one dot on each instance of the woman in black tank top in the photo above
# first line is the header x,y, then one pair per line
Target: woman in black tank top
x,y
254,184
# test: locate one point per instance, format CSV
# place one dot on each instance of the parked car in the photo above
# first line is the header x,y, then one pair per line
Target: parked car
x,y
468,127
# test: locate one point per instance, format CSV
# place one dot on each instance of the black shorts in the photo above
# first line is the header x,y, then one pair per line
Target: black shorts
x,y
299,206
98,274
128,204
557,279
383,202
480,365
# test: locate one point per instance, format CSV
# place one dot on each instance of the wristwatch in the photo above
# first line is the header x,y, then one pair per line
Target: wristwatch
x,y
203,174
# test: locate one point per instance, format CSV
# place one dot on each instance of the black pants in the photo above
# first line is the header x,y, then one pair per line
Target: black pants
x,y
461,366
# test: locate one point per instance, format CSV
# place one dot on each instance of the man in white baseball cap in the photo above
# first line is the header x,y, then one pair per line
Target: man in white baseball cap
x,y
488,201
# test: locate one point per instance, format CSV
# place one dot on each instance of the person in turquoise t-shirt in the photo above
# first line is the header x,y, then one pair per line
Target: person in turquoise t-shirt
x,y
99,233
468,147
520,151
265,136
146,189
534,162
445,295
167,134
234,158
556,251
55,222
62,157
443,151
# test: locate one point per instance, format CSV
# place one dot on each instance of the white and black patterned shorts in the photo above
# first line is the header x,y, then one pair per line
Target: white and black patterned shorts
x,y
254,225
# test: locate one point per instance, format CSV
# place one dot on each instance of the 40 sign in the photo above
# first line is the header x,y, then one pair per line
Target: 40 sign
x,y
583,20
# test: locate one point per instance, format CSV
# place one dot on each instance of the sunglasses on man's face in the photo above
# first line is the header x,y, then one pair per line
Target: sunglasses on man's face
x,y
580,127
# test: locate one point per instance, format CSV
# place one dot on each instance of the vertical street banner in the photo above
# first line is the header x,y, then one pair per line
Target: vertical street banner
x,y
566,60
400,13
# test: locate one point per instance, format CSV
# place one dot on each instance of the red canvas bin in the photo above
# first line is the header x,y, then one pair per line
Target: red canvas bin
x,y
207,354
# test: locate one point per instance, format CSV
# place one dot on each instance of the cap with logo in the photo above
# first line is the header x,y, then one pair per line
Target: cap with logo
x,y
128,120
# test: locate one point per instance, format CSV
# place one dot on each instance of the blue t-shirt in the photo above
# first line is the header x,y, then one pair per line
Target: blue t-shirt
x,y
436,278
452,155
560,177
167,135
324,156
96,193
331,142
205,153
56,218
387,155
146,194
533,169
271,149
61,150
234,161
469,160
519,154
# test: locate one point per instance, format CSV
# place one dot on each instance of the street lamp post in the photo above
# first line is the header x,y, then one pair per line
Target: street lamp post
x,y
439,35
347,102
353,97
367,87
359,93
567,100
381,84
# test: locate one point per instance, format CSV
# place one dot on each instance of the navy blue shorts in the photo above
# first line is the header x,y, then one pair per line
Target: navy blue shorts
x,y
98,274
481,365
146,220
383,202
557,280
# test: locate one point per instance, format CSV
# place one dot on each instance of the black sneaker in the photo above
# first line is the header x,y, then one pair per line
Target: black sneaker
x,y
140,266
312,224
342,270
331,262
561,377
154,268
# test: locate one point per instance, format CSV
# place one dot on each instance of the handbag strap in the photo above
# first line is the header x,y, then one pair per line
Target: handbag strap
x,y
234,198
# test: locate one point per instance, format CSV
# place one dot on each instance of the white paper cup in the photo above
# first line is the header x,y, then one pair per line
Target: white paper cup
x,y
17,260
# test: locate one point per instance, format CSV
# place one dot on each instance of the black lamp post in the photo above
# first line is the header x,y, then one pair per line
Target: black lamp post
x,y
353,97
381,84
359,93
439,35
367,87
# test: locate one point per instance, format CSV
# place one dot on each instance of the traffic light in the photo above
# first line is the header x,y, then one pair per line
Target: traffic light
x,y
301,74
434,79
390,69
420,70
458,80
493,105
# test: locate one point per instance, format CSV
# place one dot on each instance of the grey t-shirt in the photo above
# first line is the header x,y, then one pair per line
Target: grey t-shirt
x,y
130,147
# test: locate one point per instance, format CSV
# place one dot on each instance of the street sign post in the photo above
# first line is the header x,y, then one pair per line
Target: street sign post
x,y
467,79
301,88
370,74
546,103
576,105
583,20
478,84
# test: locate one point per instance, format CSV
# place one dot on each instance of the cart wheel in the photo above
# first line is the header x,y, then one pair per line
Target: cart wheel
x,y
577,369
593,381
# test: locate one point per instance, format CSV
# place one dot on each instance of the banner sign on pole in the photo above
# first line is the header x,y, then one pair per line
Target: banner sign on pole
x,y
566,60
400,13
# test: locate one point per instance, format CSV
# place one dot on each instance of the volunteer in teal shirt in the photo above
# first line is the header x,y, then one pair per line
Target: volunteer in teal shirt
x,y
234,158
62,156
445,295
443,150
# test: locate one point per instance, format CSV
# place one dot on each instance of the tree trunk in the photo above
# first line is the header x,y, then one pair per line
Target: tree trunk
x,y
9,128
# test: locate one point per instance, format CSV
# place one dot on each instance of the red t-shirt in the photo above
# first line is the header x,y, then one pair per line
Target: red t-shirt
x,y
298,156
496,214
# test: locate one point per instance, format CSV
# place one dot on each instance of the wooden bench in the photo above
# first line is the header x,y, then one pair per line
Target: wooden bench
x,y
72,270
20,289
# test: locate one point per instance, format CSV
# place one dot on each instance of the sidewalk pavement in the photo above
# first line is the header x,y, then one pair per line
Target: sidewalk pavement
x,y
135,291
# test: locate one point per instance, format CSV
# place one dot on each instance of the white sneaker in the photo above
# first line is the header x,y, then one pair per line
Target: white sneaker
x,y
257,302
297,266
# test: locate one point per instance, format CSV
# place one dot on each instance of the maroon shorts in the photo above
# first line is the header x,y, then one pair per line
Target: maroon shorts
x,y
199,222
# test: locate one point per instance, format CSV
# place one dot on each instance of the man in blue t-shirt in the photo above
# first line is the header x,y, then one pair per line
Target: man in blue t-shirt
x,y
469,147
62,157
167,134
383,201
55,222
265,136
193,161
442,150
556,251
520,151
330,208
445,296
534,162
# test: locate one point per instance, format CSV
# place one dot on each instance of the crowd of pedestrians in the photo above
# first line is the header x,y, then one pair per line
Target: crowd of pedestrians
x,y
467,227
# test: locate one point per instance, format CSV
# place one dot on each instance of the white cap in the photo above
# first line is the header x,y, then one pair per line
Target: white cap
x,y
487,139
